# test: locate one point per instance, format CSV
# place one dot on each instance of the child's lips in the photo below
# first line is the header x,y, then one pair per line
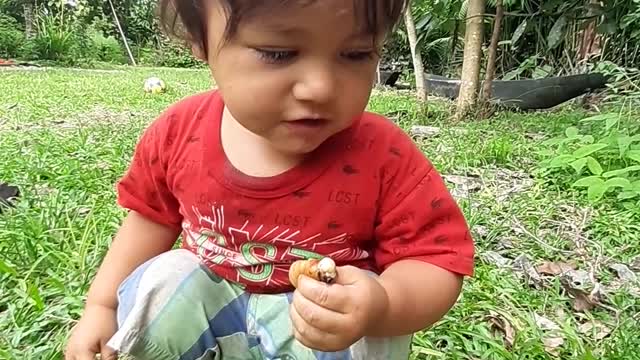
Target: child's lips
x,y
307,124
310,122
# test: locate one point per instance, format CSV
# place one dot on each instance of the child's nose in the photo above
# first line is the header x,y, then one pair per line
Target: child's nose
x,y
316,84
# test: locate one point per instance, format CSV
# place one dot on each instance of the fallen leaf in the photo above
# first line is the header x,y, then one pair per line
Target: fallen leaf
x,y
552,344
523,265
508,182
561,315
624,273
424,131
464,185
554,268
468,182
552,338
617,285
544,323
499,323
596,329
480,231
582,302
496,259
635,263
506,243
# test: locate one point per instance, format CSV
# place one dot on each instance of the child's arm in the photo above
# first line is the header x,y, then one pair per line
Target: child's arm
x,y
419,294
137,241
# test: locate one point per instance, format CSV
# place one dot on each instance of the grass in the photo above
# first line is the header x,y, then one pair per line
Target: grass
x,y
66,136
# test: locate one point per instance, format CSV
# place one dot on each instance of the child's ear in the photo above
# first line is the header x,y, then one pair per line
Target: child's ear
x,y
198,52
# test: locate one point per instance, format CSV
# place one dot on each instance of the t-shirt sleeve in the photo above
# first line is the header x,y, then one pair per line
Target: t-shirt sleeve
x,y
418,218
144,187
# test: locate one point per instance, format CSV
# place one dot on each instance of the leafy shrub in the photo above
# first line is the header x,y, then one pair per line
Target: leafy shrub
x,y
105,49
52,41
62,42
11,37
604,159
623,82
171,54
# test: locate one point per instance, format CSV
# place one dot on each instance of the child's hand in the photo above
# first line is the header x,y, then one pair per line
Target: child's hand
x,y
90,335
333,317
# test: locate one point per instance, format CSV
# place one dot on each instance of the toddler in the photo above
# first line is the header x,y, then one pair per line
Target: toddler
x,y
281,162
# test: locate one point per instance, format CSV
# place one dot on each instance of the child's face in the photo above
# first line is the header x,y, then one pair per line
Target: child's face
x,y
294,76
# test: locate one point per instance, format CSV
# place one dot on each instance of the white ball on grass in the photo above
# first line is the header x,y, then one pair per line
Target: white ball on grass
x,y
154,85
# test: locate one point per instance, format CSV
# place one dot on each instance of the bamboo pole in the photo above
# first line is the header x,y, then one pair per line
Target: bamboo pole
x,y
124,38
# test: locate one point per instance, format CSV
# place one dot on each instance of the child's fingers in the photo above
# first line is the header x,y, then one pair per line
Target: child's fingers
x,y
80,355
314,338
317,316
108,353
332,297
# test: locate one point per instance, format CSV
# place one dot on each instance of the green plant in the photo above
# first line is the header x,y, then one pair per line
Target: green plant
x,y
606,162
11,37
172,54
53,40
104,48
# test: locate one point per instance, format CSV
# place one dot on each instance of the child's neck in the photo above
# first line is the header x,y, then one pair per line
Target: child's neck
x,y
250,153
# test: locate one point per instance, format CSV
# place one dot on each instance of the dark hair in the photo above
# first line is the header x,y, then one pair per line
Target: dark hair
x,y
184,18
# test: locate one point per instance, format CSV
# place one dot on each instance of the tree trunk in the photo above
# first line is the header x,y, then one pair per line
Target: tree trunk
x,y
589,41
418,67
472,56
493,53
28,20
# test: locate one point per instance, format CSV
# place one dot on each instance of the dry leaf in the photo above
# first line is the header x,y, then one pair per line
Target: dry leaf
x,y
617,285
624,273
555,268
496,259
480,231
499,323
544,323
464,185
553,338
552,344
506,243
582,302
595,328
424,131
523,265
560,314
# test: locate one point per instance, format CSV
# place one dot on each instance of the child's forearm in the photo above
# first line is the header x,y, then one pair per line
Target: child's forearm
x,y
419,295
137,241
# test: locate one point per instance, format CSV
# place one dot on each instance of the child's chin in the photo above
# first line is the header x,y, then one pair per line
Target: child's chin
x,y
300,149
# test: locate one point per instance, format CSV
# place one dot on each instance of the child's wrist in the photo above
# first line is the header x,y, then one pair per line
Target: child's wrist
x,y
380,318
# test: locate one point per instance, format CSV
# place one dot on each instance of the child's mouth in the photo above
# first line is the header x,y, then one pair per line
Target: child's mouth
x,y
307,124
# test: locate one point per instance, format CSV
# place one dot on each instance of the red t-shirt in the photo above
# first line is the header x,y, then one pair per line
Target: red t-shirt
x,y
366,197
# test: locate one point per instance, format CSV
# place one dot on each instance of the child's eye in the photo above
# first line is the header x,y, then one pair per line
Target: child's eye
x,y
275,56
359,55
